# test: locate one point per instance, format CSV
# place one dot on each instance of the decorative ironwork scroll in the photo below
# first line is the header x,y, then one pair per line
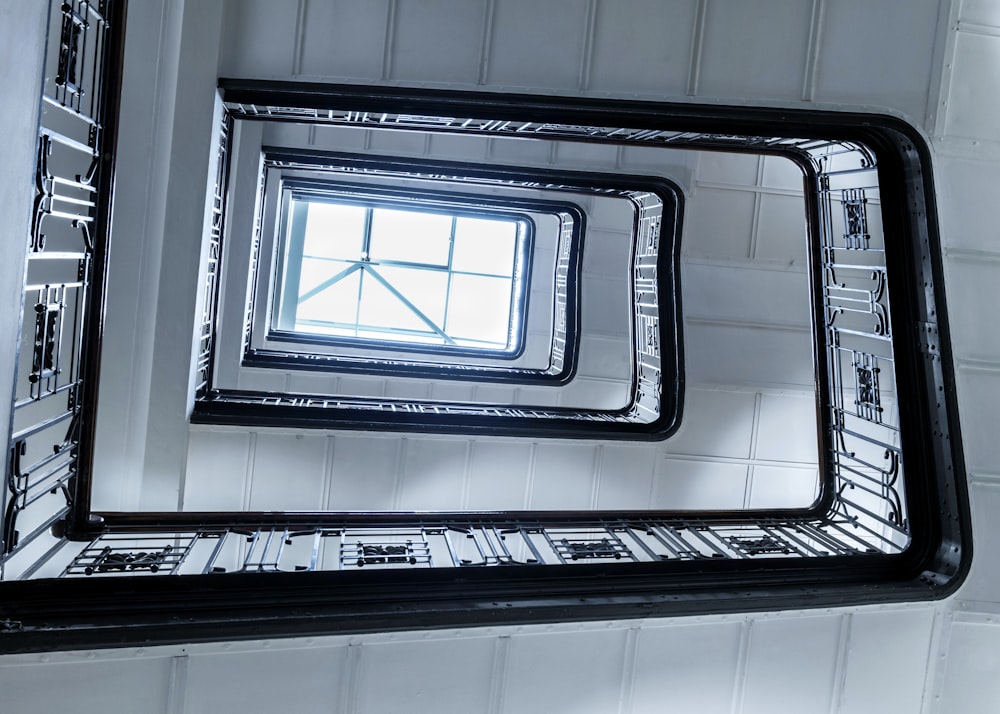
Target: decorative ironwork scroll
x,y
67,242
214,263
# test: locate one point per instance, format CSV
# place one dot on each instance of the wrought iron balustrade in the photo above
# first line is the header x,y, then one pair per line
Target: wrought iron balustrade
x,y
891,522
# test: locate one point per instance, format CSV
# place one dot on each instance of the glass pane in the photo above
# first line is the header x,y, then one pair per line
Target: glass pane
x,y
337,303
334,231
484,246
479,308
426,289
410,236
380,308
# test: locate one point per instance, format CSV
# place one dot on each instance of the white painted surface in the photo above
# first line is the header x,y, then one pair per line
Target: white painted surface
x,y
870,660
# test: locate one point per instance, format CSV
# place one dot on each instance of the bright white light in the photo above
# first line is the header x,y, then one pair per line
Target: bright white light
x,y
405,276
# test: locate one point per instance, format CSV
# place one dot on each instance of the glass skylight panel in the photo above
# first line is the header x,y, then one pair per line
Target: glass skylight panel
x,y
410,236
383,274
479,309
484,246
345,222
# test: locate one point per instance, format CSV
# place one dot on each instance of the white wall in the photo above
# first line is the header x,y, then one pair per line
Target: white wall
x,y
748,434
934,63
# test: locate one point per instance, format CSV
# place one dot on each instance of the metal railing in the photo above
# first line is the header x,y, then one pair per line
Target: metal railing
x,y
875,522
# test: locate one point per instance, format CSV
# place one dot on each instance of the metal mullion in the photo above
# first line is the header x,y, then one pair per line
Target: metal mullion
x,y
328,259
357,307
366,245
416,311
482,275
329,282
368,328
366,239
410,264
451,274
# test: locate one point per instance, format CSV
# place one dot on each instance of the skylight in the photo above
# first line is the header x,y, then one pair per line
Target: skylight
x,y
383,273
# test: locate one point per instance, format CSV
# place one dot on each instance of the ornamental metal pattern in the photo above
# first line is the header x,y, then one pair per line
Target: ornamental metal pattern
x,y
867,397
438,543
865,512
856,236
64,268
206,340
866,454
387,549
131,555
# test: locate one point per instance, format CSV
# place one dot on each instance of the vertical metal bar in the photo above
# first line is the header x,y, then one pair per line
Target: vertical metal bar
x,y
57,361
447,290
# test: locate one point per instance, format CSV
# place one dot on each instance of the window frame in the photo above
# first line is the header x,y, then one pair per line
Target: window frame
x,y
374,199
263,348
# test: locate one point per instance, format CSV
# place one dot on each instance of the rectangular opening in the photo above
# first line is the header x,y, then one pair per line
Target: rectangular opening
x,y
381,274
